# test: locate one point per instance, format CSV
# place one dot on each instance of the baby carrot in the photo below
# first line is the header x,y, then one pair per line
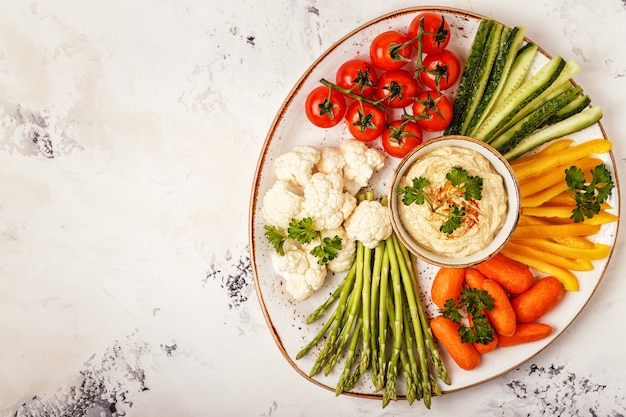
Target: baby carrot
x,y
447,332
502,317
513,276
526,332
474,278
447,284
536,301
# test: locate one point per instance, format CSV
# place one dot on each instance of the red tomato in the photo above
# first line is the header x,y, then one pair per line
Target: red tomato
x,y
357,75
397,88
390,51
365,121
325,107
437,32
442,69
437,106
400,137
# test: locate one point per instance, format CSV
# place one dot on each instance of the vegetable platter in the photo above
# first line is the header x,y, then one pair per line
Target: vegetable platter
x,y
286,318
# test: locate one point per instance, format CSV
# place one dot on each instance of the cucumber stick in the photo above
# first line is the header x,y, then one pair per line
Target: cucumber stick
x,y
575,106
534,120
481,77
510,42
521,97
523,60
563,128
466,83
561,83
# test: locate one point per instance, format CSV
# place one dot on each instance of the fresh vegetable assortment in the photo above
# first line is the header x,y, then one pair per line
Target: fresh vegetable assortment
x,y
374,320
409,70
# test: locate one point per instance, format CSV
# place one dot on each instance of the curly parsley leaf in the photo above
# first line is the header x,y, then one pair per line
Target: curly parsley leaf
x,y
415,193
327,249
276,238
454,220
302,230
588,195
471,186
474,302
451,311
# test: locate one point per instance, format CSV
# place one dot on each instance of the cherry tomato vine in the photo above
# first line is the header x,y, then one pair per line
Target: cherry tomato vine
x,y
365,93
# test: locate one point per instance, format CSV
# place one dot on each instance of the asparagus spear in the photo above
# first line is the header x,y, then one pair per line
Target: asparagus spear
x,y
390,392
317,313
344,379
415,321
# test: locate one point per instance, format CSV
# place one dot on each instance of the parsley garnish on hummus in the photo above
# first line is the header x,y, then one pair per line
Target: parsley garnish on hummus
x,y
452,202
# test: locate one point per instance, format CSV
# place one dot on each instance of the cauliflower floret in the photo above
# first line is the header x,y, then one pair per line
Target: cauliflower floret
x,y
369,223
345,257
301,272
361,162
331,160
326,202
280,205
296,166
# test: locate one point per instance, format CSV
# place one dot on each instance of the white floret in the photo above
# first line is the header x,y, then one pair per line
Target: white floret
x,y
301,272
331,161
345,257
369,223
326,202
296,166
361,162
280,205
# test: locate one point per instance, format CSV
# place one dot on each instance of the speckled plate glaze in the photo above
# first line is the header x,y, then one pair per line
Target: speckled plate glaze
x,y
290,128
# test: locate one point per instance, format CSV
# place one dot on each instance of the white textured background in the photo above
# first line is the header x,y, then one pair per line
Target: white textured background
x,y
129,134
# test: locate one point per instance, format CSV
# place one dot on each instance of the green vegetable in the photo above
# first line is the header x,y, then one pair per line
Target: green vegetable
x,y
303,232
533,121
499,103
473,301
276,238
378,324
465,92
560,129
463,184
588,195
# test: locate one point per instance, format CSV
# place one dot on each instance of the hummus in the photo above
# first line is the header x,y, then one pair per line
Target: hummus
x,y
482,218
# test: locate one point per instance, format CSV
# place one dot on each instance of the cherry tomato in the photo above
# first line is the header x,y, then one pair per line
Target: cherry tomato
x,y
400,137
437,32
437,106
365,121
398,88
357,75
387,52
325,107
442,69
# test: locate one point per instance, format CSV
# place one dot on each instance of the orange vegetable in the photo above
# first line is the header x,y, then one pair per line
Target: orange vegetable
x,y
474,278
513,276
447,332
536,301
502,316
526,332
447,284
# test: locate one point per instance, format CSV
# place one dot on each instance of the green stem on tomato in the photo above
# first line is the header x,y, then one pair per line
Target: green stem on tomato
x,y
352,94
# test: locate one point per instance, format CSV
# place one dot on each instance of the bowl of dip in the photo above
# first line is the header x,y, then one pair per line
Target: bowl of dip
x,y
454,201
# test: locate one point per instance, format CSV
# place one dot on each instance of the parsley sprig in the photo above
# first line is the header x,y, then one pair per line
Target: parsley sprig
x,y
469,186
303,232
474,302
588,195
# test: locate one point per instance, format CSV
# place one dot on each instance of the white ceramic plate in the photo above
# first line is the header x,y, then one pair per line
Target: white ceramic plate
x,y
286,318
